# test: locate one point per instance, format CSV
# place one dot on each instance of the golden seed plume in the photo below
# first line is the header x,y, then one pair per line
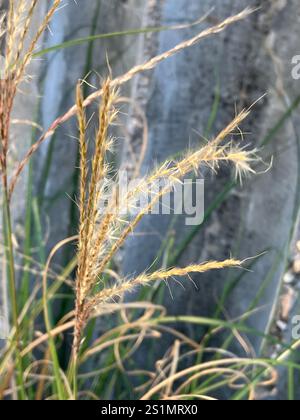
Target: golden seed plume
x,y
101,235
14,29
118,291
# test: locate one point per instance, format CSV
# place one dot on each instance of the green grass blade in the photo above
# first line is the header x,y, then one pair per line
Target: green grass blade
x,y
289,112
93,38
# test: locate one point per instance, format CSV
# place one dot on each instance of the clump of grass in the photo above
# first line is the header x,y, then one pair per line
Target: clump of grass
x,y
121,80
103,233
14,29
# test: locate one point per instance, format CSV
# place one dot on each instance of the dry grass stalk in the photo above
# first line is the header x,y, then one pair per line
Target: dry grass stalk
x,y
14,28
151,64
90,242
102,234
28,54
218,366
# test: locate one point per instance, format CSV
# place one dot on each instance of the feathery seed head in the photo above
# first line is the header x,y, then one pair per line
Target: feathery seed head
x,y
14,35
102,233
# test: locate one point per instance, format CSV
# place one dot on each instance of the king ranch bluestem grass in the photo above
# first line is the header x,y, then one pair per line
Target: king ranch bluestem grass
x,y
100,234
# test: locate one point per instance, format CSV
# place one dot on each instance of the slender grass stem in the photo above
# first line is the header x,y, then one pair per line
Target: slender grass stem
x,y
57,382
7,226
74,369
53,351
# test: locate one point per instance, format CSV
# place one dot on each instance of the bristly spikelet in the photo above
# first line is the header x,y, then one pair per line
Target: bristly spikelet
x,y
242,160
82,125
43,26
117,291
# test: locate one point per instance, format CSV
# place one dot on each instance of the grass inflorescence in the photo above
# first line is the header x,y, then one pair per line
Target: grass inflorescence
x,y
102,232
30,363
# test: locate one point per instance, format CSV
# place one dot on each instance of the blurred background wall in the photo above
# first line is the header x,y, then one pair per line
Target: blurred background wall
x,y
238,67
